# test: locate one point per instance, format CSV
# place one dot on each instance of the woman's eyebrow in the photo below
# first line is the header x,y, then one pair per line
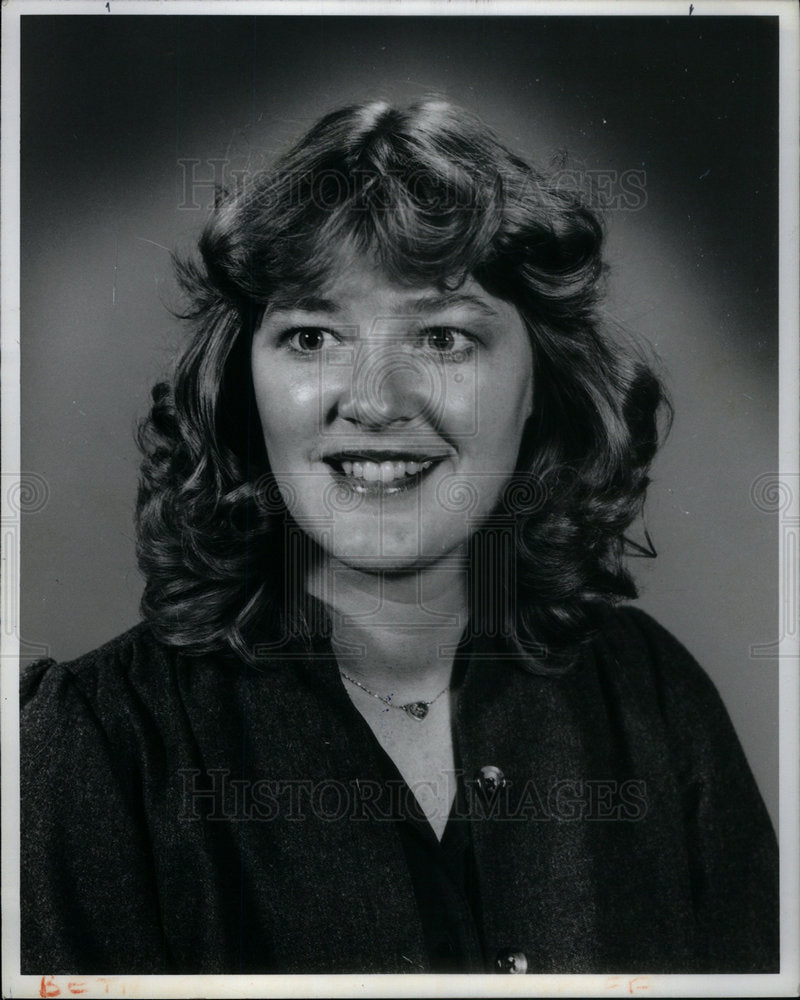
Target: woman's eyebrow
x,y
427,304
306,303
423,305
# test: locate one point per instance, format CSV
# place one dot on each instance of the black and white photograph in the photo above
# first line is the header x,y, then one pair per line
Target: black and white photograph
x,y
400,498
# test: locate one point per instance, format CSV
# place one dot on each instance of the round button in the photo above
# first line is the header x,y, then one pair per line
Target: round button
x,y
490,779
511,962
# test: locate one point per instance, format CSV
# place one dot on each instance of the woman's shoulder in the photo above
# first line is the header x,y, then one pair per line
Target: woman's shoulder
x,y
108,674
637,649
651,676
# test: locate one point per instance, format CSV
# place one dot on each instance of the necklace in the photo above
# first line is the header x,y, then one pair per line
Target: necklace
x,y
416,709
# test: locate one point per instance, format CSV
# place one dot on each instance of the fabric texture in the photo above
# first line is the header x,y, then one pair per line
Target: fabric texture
x,y
195,815
443,875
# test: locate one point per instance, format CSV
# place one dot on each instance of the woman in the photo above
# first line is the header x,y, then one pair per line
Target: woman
x,y
383,713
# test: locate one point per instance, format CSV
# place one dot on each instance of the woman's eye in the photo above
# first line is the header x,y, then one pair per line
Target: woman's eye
x,y
448,340
307,339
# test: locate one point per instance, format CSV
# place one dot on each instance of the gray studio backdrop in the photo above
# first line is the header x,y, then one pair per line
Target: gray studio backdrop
x,y
126,120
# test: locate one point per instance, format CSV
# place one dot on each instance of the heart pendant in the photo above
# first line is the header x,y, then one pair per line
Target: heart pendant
x,y
416,709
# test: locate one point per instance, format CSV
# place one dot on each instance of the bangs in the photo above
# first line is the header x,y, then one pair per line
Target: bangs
x,y
424,212
427,194
420,226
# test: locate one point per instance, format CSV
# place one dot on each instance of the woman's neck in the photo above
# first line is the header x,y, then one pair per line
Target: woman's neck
x,y
394,631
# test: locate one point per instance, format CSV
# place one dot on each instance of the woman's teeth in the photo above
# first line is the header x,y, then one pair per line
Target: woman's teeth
x,y
383,472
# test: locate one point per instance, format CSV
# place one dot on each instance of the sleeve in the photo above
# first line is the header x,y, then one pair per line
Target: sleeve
x,y
730,842
88,898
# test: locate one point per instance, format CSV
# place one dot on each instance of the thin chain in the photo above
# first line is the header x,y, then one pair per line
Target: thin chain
x,y
407,708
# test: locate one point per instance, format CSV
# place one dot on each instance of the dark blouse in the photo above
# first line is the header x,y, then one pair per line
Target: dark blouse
x,y
444,878
195,815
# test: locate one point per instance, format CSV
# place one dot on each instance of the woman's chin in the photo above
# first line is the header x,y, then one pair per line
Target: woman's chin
x,y
389,557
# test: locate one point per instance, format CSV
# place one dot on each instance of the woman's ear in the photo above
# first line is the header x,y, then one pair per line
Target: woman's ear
x,y
526,410
528,402
527,406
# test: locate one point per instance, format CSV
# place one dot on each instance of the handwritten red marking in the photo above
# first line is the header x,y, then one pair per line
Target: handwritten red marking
x,y
49,987
635,985
79,986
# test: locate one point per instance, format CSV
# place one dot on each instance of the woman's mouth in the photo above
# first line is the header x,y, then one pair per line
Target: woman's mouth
x,y
381,475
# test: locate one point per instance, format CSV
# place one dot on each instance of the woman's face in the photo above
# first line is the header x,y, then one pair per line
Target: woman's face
x,y
392,416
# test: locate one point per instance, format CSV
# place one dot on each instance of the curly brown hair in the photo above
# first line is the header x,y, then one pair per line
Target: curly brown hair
x,y
431,194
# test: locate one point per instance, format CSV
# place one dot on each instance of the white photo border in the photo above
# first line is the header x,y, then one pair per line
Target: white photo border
x,y
13,483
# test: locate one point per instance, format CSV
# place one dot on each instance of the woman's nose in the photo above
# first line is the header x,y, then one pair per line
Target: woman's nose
x,y
389,384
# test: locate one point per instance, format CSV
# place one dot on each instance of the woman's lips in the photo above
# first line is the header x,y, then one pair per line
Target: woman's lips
x,y
381,477
383,472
